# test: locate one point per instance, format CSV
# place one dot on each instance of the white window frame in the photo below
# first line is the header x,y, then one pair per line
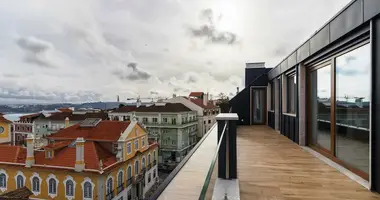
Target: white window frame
x,y
134,167
143,164
19,173
137,140
36,193
52,176
87,179
117,179
126,174
129,151
113,187
74,184
2,171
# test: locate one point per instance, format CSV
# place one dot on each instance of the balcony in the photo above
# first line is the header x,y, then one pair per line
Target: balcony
x,y
268,165
149,166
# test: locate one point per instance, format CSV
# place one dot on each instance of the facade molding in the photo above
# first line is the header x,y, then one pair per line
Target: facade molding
x,y
87,179
52,176
74,185
2,171
20,173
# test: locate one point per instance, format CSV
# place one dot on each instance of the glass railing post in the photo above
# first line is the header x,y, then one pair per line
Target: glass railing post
x,y
227,162
232,149
222,162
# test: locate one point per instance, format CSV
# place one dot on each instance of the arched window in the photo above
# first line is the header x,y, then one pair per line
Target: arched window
x,y
149,159
3,180
87,190
109,185
52,186
129,173
143,163
36,184
120,181
69,188
154,155
136,167
20,181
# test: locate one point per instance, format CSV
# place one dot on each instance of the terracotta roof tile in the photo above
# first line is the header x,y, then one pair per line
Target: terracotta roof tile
x,y
15,154
104,131
93,153
196,94
65,110
58,145
199,102
2,119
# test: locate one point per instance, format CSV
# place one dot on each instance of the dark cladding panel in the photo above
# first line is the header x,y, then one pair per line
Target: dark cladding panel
x,y
292,59
320,40
371,8
303,52
375,57
349,19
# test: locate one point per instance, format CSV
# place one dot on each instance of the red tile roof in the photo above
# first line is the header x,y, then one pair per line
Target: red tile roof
x,y
196,94
58,145
14,154
199,102
65,110
104,131
2,119
93,153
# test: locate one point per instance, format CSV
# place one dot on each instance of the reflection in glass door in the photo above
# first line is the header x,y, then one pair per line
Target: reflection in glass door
x,y
320,87
258,106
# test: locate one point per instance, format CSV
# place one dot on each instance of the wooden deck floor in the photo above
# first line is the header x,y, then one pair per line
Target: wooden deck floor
x,y
270,166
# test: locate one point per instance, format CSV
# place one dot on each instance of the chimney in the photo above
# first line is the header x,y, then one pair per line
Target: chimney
x,y
205,99
79,162
67,122
29,151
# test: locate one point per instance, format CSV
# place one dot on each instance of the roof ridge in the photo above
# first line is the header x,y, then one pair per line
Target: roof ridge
x,y
96,155
17,152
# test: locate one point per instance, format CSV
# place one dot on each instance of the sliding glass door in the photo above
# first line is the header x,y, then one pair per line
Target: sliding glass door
x,y
339,108
320,82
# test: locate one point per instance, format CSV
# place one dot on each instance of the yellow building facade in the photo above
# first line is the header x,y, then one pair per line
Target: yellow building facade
x,y
128,172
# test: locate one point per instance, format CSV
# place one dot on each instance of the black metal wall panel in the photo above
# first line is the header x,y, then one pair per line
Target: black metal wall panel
x,y
375,105
320,40
371,8
303,52
289,127
349,19
271,119
292,59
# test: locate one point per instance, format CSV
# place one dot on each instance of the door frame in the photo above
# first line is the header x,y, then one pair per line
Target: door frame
x,y
264,88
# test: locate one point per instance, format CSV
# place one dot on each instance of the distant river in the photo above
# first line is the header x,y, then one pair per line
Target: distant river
x,y
15,116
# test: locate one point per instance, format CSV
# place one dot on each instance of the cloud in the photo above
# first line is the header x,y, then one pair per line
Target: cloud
x,y
154,93
36,51
136,74
23,93
209,31
192,79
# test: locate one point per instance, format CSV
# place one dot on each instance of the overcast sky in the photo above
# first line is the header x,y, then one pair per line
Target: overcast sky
x,y
90,50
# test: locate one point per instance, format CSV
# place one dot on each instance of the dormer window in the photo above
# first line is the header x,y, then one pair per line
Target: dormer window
x,y
49,154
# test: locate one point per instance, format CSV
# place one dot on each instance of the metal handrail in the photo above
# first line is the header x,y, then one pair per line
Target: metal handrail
x,y
211,169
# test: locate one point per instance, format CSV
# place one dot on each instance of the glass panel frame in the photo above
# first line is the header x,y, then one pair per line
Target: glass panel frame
x,y
332,154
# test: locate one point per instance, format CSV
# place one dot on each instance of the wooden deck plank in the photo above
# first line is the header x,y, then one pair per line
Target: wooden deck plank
x,y
270,166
